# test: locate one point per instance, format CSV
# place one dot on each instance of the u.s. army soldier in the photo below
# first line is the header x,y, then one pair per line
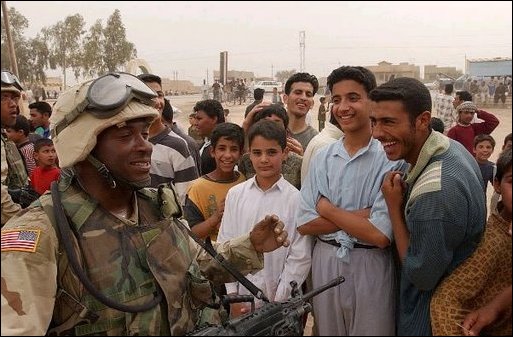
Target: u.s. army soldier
x,y
100,254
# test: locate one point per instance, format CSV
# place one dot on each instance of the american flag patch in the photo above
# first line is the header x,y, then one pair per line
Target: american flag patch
x,y
20,240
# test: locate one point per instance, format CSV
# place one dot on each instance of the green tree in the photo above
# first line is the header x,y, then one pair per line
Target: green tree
x,y
117,50
18,25
106,49
92,61
65,44
283,75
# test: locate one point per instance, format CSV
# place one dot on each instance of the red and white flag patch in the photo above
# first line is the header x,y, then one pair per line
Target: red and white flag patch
x,y
25,240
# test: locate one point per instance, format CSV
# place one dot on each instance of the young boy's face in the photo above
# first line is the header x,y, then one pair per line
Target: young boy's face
x,y
46,156
466,116
483,150
503,187
267,157
226,154
15,136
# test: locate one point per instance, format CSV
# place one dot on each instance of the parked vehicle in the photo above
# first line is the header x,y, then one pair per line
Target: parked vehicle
x,y
269,85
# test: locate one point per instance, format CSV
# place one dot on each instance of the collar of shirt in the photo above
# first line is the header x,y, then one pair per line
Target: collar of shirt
x,y
206,143
341,150
280,184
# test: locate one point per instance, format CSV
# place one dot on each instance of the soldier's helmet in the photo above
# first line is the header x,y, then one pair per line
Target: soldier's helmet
x,y
85,110
10,82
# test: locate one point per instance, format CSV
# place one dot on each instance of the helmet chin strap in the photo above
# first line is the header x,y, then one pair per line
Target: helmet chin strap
x,y
104,172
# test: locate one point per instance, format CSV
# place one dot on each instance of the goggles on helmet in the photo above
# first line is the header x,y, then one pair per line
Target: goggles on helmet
x,y
108,95
9,78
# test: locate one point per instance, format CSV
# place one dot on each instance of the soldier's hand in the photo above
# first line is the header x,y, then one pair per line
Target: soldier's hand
x,y
269,234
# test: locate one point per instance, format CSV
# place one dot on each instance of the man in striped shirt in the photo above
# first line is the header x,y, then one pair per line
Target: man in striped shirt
x,y
171,160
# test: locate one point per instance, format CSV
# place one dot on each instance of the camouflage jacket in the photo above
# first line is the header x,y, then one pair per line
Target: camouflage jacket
x,y
14,175
125,260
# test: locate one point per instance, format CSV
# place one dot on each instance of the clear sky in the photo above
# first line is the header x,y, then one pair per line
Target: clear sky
x,y
185,38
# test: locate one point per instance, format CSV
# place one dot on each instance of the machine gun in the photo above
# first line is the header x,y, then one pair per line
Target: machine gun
x,y
272,319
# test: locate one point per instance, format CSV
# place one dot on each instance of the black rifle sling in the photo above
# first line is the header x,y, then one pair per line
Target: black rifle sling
x,y
207,245
64,230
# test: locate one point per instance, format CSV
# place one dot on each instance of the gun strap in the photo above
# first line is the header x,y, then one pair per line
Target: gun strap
x,y
207,245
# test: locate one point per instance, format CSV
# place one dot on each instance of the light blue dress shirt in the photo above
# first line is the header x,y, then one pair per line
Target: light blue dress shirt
x,y
350,183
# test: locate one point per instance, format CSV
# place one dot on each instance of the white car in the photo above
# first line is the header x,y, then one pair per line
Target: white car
x,y
268,86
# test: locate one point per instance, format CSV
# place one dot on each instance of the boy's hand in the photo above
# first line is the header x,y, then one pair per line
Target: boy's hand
x,y
294,146
269,234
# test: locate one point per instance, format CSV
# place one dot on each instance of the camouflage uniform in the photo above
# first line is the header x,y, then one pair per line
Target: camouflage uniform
x,y
13,175
126,260
13,172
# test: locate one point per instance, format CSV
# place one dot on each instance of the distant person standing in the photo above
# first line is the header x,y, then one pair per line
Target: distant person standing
x,y
216,90
258,95
500,94
321,115
204,90
445,109
276,98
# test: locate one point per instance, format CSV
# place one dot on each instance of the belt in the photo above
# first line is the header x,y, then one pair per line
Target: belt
x,y
356,244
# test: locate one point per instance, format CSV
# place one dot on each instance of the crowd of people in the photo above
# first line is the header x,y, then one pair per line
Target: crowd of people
x,y
106,200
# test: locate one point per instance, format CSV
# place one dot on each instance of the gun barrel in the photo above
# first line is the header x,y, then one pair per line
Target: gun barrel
x,y
330,284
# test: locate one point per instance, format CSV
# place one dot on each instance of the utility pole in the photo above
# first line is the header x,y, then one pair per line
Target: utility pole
x,y
272,71
302,51
10,44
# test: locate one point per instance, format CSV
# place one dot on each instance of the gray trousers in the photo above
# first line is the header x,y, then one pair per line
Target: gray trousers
x,y
363,305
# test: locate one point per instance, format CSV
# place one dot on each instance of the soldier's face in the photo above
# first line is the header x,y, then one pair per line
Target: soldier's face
x,y
9,108
126,150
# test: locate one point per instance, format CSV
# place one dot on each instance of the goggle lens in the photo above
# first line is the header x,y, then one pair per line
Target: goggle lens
x,y
113,90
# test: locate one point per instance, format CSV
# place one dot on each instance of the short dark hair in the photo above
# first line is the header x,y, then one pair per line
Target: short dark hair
x,y
150,78
229,131
302,77
507,139
449,88
484,137
411,92
167,112
358,74
437,124
268,130
503,163
22,124
273,109
42,107
212,108
38,144
464,95
258,93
